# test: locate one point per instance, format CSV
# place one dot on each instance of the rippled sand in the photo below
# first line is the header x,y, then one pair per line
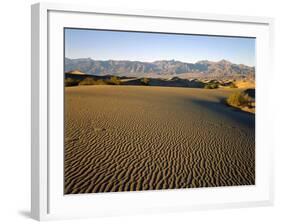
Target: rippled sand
x,y
128,138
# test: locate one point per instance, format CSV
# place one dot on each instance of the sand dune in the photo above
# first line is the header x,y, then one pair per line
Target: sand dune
x,y
127,138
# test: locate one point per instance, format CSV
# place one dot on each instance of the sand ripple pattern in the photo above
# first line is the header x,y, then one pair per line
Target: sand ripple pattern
x,y
132,138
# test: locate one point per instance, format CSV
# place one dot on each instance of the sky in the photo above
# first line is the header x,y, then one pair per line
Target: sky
x,y
149,47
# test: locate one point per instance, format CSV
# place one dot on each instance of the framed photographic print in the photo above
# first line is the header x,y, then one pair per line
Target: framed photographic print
x,y
148,111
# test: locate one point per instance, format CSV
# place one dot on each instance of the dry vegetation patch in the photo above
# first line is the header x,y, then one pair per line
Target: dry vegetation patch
x,y
71,82
244,100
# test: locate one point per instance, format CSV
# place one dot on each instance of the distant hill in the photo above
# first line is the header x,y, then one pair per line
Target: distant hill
x,y
203,68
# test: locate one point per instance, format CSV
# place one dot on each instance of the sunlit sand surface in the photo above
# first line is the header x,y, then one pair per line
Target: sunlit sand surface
x,y
130,138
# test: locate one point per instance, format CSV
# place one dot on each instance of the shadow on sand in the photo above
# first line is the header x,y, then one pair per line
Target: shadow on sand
x,y
220,108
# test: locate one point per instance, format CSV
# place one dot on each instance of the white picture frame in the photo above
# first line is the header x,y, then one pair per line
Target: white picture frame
x,y
47,199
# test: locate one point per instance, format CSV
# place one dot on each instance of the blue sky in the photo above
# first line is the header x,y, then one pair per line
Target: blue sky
x,y
149,47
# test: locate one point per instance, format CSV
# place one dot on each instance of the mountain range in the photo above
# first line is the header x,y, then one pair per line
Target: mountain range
x,y
203,68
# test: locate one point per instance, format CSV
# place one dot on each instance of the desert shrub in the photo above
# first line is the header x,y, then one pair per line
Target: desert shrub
x,y
232,85
114,81
240,99
100,82
145,81
70,82
211,86
88,81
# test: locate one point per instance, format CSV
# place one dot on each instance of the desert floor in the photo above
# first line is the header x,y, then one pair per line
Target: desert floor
x,y
128,138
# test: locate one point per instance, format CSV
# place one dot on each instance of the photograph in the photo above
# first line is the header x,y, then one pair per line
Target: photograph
x,y
157,111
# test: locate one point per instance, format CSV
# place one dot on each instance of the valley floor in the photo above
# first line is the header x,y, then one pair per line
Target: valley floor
x,y
127,138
